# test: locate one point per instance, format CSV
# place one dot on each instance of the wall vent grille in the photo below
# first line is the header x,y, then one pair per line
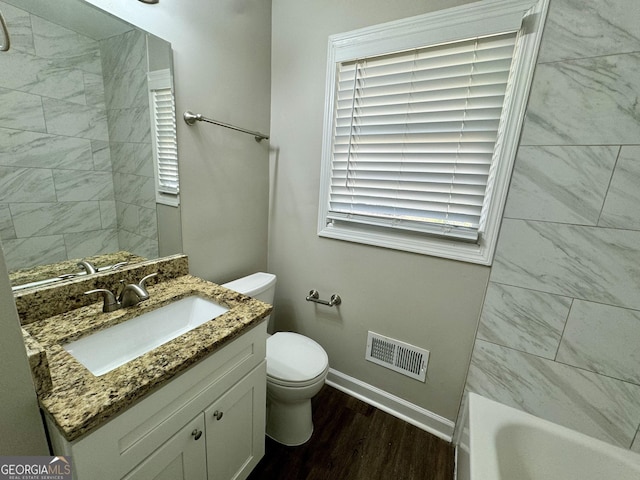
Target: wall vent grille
x,y
398,356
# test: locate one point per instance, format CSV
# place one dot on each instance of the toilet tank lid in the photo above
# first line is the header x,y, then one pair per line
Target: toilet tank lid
x,y
294,358
252,285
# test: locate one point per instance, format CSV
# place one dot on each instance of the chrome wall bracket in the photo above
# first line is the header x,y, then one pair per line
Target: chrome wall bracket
x,y
314,297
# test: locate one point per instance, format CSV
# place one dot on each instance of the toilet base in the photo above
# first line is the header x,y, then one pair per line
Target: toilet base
x,y
290,424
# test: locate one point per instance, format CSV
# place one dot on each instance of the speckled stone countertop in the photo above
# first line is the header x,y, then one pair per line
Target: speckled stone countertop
x,y
39,303
41,272
79,402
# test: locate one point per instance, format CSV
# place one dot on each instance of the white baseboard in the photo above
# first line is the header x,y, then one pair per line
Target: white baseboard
x,y
396,406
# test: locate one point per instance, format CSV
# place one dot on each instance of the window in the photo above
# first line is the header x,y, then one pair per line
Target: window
x,y
164,137
421,127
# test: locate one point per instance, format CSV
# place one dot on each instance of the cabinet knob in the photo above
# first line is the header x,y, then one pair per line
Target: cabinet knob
x,y
218,414
196,434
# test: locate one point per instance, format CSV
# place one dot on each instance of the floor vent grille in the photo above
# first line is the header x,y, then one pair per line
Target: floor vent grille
x,y
398,356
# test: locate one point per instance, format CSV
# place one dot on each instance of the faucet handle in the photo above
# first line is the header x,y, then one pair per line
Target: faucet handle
x,y
110,302
142,283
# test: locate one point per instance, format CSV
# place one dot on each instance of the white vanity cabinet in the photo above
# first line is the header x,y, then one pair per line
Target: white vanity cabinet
x,y
206,423
230,424
182,457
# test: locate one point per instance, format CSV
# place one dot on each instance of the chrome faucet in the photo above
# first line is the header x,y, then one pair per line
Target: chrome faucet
x,y
116,266
130,294
88,267
111,304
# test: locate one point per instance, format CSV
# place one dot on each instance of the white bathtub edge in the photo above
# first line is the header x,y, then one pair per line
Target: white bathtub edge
x,y
486,419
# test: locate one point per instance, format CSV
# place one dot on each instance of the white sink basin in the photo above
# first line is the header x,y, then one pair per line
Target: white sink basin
x,y
108,349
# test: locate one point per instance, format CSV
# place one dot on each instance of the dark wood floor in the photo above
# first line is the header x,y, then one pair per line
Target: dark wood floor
x,y
355,441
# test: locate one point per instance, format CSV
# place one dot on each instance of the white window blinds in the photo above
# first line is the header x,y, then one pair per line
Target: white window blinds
x,y
165,137
165,143
415,135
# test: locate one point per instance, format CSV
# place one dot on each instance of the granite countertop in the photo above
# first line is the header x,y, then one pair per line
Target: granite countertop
x,y
42,272
79,402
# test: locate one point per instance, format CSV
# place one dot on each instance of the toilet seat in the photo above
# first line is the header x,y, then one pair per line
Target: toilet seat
x,y
295,360
283,383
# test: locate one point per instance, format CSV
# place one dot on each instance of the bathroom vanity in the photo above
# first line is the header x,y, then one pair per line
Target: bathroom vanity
x,y
206,423
193,407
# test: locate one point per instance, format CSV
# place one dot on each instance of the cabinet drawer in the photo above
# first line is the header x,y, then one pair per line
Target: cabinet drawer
x,y
123,442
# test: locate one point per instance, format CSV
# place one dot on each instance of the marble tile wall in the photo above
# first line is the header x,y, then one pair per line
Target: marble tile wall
x,y
56,187
124,61
560,327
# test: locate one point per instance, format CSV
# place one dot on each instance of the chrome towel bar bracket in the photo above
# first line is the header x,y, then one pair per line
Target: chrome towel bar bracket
x,y
190,118
314,297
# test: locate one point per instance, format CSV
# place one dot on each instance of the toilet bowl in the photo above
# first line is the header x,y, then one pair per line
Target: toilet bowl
x,y
297,367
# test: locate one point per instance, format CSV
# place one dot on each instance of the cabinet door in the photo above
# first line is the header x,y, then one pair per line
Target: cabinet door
x,y
182,457
235,428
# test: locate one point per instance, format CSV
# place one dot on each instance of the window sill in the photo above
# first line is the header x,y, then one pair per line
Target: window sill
x,y
410,242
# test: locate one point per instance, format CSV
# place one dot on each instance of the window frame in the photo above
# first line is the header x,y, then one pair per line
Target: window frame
x,y
477,19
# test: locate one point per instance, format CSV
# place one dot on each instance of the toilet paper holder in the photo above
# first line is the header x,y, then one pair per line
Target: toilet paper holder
x,y
314,296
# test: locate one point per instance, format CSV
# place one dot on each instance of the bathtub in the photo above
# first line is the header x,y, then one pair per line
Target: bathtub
x,y
501,443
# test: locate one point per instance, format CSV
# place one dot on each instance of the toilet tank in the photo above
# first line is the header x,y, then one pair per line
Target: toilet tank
x,y
261,286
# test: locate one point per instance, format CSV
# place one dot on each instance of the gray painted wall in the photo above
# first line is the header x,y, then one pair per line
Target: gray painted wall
x,y
560,327
20,421
413,298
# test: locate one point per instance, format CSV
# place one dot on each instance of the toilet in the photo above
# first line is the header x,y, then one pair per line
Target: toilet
x,y
297,367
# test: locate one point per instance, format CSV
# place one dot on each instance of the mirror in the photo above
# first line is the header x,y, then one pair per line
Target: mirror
x,y
77,176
